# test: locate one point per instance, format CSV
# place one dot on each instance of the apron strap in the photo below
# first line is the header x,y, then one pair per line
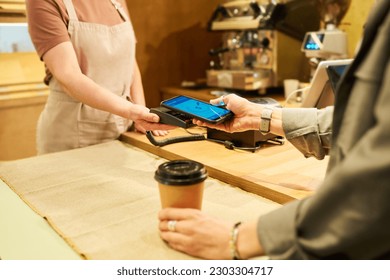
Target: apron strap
x,y
70,9
120,10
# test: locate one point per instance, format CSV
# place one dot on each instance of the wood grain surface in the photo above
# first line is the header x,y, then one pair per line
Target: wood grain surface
x,y
277,172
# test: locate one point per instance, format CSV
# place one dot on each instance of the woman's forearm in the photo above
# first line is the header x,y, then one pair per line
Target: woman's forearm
x,y
137,90
79,86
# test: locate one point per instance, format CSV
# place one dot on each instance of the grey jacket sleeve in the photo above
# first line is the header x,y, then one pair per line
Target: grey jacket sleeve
x,y
348,216
309,130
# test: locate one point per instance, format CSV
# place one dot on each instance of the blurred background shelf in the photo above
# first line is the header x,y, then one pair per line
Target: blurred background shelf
x,y
12,11
22,98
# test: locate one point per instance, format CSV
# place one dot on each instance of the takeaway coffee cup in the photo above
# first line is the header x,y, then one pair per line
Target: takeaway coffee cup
x,y
181,183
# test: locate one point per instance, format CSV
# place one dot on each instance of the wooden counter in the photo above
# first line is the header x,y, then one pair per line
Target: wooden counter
x,y
276,172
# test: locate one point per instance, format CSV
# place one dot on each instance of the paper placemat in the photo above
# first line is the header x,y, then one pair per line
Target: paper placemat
x,y
103,199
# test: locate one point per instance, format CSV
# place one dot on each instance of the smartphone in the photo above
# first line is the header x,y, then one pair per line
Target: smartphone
x,y
197,109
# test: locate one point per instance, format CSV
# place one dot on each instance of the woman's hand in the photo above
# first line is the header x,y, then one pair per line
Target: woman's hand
x,y
141,129
195,233
144,120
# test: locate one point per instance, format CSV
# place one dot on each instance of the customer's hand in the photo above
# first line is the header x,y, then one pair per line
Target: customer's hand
x,y
195,233
246,114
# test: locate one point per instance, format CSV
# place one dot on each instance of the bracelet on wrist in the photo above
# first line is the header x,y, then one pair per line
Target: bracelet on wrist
x,y
233,242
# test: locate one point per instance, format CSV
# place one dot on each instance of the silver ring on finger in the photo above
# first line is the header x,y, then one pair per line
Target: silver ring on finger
x,y
172,225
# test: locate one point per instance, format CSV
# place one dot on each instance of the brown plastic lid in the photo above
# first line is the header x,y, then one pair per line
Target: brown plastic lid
x,y
180,172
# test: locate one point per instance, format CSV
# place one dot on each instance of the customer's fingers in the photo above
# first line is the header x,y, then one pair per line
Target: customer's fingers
x,y
218,101
176,240
178,226
178,214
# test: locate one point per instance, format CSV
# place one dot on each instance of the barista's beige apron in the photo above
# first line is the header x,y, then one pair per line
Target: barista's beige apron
x,y
107,55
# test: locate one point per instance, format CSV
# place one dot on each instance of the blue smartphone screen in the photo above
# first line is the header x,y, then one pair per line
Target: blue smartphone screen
x,y
196,107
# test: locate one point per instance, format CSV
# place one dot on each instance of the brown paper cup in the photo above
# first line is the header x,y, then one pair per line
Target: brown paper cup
x,y
181,196
181,183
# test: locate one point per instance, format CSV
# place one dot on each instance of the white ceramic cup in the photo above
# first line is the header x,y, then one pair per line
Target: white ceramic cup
x,y
290,85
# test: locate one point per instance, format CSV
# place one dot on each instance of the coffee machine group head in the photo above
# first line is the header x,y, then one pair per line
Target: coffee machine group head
x,y
261,43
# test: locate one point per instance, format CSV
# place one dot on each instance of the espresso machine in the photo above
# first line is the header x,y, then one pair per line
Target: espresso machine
x,y
261,43
330,42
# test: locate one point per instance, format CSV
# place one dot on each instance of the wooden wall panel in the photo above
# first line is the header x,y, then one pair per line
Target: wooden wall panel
x,y
173,41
